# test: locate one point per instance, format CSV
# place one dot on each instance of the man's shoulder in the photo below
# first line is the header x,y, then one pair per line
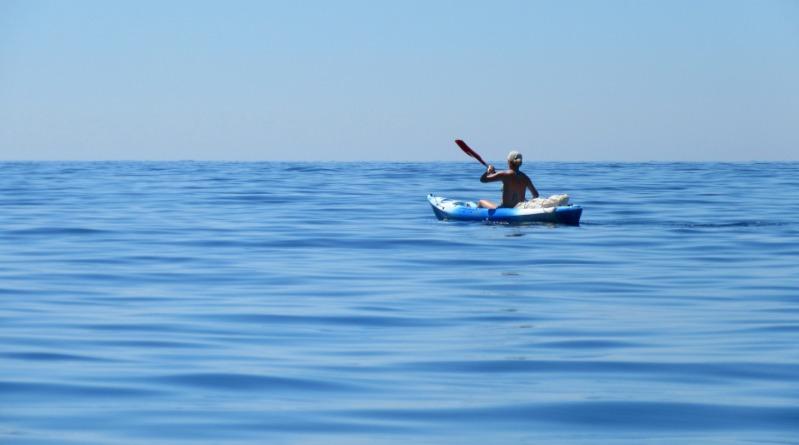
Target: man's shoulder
x,y
509,174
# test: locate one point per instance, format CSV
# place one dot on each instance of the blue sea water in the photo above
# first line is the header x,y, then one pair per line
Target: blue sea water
x,y
323,303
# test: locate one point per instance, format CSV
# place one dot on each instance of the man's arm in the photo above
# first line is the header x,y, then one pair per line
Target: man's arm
x,y
531,187
492,175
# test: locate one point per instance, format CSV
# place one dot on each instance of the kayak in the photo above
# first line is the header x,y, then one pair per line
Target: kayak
x,y
450,209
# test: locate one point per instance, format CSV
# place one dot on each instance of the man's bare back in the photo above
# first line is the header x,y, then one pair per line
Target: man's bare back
x,y
514,183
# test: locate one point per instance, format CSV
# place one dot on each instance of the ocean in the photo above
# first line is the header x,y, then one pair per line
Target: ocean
x,y
323,303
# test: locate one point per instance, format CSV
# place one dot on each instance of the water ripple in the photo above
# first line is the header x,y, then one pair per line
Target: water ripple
x,y
249,382
609,415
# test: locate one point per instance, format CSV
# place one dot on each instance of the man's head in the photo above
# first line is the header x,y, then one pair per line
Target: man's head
x,y
514,159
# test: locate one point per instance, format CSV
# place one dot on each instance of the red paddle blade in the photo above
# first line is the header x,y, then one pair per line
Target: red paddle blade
x,y
466,149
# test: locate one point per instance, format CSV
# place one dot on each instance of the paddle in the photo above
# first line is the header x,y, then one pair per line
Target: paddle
x,y
466,149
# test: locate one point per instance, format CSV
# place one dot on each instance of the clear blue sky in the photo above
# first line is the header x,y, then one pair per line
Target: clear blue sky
x,y
350,80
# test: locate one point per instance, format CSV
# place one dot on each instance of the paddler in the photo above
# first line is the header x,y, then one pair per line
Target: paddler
x,y
514,183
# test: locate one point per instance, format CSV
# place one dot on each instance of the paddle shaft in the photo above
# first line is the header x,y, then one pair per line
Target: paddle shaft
x,y
466,149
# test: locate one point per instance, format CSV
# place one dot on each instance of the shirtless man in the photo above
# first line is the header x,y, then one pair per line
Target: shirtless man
x,y
514,183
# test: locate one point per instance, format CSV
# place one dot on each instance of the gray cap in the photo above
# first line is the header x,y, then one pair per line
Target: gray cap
x,y
514,155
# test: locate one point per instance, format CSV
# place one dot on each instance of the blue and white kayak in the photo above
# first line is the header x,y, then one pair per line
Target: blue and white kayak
x,y
450,209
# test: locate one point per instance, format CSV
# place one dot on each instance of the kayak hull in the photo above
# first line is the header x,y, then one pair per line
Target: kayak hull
x,y
450,209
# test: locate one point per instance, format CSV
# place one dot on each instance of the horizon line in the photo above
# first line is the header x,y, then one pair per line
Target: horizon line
x,y
372,161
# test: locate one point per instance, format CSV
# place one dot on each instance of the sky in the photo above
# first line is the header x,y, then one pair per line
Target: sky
x,y
570,80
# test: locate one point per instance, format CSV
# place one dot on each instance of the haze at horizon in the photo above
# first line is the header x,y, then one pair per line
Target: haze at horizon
x,y
572,81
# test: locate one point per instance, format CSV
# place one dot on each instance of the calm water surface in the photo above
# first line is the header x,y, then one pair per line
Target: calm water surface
x,y
282,303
